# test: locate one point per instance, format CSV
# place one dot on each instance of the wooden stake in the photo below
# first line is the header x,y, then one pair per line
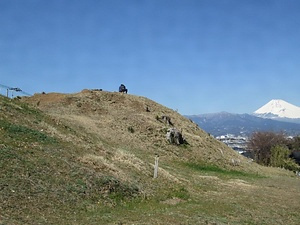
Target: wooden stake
x,y
156,166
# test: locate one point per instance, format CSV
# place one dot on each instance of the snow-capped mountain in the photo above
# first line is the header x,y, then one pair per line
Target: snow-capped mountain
x,y
278,109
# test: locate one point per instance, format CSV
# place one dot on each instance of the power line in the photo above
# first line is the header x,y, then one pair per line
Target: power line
x,y
13,89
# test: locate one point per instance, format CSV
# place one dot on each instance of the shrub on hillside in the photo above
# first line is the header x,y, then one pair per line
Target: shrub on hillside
x,y
280,158
261,143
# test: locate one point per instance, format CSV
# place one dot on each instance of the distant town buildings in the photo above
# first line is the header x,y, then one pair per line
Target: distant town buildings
x,y
237,143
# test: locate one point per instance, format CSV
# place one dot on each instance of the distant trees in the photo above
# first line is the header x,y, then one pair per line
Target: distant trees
x,y
261,143
274,149
294,144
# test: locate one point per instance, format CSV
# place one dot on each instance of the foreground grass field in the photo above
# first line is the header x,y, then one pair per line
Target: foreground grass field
x,y
205,195
74,160
211,198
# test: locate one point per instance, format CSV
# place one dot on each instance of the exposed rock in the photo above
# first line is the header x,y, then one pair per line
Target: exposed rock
x,y
167,120
174,136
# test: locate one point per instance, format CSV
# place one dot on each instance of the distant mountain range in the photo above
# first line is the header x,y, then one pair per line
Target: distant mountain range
x,y
275,116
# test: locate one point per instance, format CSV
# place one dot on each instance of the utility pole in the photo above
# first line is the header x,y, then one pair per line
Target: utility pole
x,y
12,89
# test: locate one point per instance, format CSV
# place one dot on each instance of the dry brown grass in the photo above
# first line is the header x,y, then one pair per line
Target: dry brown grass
x,y
110,139
102,119
109,116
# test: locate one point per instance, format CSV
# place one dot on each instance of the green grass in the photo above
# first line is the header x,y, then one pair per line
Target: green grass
x,y
43,180
24,134
215,170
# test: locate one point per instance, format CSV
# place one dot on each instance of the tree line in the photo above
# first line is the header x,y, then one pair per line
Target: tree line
x,y
275,149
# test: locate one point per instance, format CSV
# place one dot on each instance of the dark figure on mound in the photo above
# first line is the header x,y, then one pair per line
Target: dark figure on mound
x,y
123,89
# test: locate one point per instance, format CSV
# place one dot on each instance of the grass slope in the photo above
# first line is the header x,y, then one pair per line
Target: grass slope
x,y
87,158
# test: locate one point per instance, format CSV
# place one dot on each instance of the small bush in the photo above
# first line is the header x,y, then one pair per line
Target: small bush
x,y
280,158
130,129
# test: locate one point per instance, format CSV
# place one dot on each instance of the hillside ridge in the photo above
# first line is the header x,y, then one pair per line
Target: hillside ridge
x,y
88,158
111,114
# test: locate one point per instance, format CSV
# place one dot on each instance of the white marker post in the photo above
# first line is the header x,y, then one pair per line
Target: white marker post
x,y
156,166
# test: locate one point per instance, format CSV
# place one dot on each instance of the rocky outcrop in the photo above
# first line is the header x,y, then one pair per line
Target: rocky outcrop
x,y
174,136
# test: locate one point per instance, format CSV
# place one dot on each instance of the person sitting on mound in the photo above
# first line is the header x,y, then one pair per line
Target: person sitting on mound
x,y
123,89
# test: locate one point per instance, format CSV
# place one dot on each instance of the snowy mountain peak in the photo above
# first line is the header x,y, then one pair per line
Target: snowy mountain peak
x,y
279,108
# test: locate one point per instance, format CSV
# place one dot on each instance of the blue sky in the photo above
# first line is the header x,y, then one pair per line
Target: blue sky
x,y
194,56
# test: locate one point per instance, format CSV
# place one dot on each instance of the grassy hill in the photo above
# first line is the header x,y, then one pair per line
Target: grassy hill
x,y
88,158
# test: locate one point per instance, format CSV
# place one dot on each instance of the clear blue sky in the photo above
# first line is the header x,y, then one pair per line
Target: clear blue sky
x,y
196,56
